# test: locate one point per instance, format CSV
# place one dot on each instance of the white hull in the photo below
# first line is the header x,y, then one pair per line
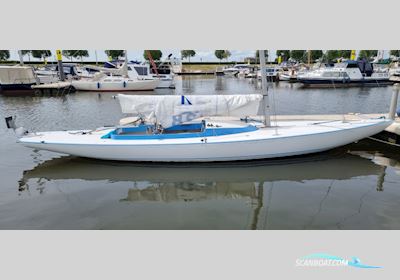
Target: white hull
x,y
293,138
119,85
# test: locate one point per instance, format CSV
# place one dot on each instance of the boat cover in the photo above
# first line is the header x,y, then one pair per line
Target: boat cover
x,y
170,110
17,75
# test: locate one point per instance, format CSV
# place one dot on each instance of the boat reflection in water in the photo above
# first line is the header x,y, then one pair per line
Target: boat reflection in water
x,y
276,194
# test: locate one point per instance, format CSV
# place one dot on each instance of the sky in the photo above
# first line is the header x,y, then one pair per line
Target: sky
x,y
201,55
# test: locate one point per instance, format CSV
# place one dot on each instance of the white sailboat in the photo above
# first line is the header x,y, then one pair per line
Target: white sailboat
x,y
181,129
117,80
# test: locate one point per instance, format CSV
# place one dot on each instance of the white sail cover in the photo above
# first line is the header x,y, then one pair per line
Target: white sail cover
x,y
170,110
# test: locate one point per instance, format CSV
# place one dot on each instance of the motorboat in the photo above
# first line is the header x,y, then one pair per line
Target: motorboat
x,y
346,74
17,79
288,76
203,128
231,71
272,73
142,71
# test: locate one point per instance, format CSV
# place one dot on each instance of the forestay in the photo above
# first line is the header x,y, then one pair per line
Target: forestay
x,y
170,110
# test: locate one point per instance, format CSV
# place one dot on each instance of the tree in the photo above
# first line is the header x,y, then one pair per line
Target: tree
x,y
155,54
42,54
332,55
367,54
344,54
298,55
395,53
285,54
75,53
222,54
4,54
187,54
316,54
27,52
114,54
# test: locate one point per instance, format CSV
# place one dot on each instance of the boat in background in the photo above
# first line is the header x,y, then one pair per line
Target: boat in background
x,y
102,82
17,79
349,73
272,73
288,76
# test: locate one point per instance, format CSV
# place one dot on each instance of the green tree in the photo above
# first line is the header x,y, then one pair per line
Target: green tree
x,y
298,55
4,54
367,54
344,54
222,54
332,55
316,54
75,53
395,53
114,54
42,54
155,54
187,54
285,54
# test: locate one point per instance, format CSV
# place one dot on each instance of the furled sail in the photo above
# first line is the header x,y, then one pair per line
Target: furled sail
x,y
174,109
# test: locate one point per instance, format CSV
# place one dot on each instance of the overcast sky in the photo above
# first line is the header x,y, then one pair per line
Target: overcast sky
x,y
201,55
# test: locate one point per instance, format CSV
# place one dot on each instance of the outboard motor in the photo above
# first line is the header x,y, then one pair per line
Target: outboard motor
x,y
19,131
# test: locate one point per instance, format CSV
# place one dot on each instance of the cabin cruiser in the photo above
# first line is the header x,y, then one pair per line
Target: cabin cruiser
x,y
288,76
272,73
142,71
346,73
17,79
237,69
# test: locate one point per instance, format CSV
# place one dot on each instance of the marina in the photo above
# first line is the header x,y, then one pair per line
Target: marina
x,y
350,187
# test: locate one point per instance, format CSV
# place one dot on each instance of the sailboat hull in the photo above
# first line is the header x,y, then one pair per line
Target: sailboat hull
x,y
289,139
116,86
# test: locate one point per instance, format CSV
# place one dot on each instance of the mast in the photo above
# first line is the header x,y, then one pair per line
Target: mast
x,y
264,85
21,57
125,65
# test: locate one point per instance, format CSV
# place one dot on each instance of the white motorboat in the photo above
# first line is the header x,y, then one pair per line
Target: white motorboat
x,y
271,72
230,71
288,76
174,128
346,74
142,71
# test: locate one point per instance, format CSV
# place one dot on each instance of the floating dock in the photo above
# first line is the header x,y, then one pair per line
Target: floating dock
x,y
58,87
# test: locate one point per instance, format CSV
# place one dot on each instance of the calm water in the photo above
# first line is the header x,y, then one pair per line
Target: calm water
x,y
353,187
